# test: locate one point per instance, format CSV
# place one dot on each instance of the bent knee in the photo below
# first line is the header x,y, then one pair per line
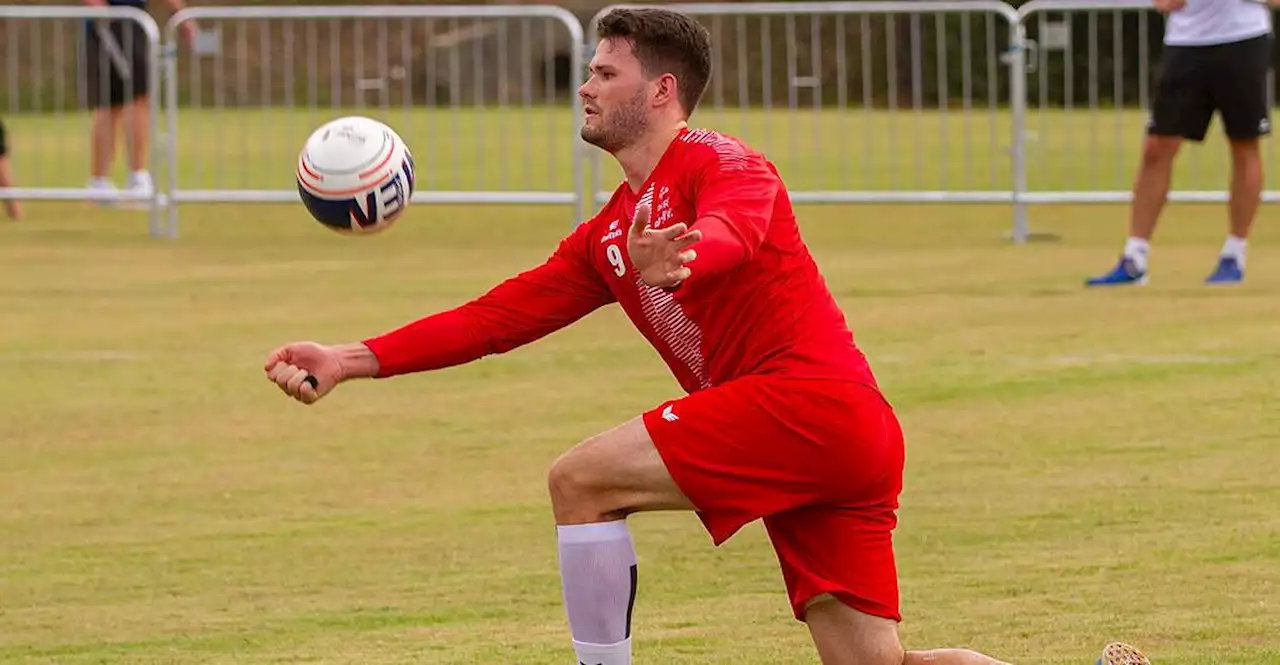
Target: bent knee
x,y
566,479
575,488
612,475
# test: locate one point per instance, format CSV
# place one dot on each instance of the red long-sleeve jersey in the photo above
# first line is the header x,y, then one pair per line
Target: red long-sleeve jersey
x,y
755,302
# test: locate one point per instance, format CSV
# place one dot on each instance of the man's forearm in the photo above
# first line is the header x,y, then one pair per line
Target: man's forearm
x,y
358,361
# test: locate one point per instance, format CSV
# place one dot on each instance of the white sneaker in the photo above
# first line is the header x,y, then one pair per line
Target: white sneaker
x,y
141,180
140,184
106,189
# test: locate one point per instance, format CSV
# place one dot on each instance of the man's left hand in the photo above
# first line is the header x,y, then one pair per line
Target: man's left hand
x,y
660,255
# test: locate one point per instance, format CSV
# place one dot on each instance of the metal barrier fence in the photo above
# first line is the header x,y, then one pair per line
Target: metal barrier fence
x,y
868,102
48,83
942,101
478,92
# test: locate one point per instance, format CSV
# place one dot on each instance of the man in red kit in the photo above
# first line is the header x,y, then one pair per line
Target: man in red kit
x,y
783,420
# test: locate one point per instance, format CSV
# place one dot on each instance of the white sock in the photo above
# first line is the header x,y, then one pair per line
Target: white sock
x,y
603,654
140,178
100,182
1235,247
598,574
1137,250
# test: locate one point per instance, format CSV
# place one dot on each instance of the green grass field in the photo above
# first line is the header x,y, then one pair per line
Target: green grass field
x,y
1083,466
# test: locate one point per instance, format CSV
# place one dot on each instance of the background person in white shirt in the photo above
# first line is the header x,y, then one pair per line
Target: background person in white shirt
x,y
1217,57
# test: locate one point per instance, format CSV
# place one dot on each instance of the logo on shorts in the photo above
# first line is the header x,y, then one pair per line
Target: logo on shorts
x,y
668,415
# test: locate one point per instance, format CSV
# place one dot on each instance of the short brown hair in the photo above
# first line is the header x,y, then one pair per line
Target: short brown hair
x,y
665,41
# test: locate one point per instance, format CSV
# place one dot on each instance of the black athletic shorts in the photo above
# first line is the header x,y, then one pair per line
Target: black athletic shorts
x,y
1229,78
4,147
115,76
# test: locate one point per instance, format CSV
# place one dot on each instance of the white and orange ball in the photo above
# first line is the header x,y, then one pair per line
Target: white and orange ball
x,y
355,175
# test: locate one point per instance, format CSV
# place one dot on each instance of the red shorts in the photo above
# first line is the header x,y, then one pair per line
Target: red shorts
x,y
819,461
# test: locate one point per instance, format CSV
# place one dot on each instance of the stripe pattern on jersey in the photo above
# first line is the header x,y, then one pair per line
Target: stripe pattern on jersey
x,y
732,156
669,321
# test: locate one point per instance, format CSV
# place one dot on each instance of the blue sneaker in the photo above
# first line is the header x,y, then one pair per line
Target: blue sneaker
x,y
1125,272
1227,272
1119,653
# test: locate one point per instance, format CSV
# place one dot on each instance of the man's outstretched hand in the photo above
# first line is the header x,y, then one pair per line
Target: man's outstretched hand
x,y
290,367
660,255
307,371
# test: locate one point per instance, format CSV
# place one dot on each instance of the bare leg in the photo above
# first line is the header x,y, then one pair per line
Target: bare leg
x,y
106,123
1246,185
1150,192
1246,197
845,636
612,475
139,123
1151,186
11,206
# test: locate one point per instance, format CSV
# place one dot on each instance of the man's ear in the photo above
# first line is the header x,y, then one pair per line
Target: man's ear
x,y
667,90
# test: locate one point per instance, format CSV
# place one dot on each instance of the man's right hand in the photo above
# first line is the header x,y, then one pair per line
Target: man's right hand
x,y
1168,6
290,366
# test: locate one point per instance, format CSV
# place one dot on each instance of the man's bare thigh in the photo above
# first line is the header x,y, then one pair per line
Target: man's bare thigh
x,y
611,475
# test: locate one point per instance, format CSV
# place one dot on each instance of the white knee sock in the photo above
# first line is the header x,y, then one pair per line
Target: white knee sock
x,y
598,573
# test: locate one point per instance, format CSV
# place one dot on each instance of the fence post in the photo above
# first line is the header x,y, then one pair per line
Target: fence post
x,y
1018,107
